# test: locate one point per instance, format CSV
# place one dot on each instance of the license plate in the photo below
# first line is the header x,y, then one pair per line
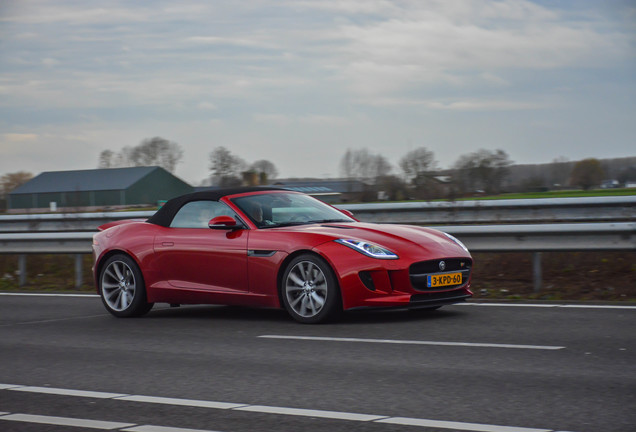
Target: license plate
x,y
444,280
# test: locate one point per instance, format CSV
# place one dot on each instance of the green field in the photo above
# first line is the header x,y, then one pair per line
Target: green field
x,y
558,194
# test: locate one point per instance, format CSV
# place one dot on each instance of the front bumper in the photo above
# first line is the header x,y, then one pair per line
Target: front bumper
x,y
372,283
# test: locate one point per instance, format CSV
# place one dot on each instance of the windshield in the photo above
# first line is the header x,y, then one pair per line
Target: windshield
x,y
286,209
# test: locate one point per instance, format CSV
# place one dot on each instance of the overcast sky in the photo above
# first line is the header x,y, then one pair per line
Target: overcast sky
x,y
298,82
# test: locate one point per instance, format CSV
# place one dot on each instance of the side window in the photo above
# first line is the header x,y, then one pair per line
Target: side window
x,y
197,214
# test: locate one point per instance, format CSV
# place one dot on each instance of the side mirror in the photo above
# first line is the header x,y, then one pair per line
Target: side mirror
x,y
224,223
347,212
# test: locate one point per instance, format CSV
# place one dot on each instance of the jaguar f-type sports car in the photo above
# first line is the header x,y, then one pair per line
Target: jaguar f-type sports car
x,y
266,247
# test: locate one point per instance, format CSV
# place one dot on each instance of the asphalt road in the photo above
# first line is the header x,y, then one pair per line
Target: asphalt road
x,y
66,365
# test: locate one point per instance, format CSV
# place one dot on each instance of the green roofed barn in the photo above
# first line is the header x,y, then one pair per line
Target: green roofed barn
x,y
97,188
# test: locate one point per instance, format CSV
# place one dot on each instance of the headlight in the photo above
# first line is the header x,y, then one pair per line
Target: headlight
x,y
369,249
453,238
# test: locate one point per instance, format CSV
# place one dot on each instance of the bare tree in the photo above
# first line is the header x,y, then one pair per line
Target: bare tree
x,y
482,170
107,159
265,170
10,181
417,166
226,168
157,151
346,165
363,165
151,151
381,167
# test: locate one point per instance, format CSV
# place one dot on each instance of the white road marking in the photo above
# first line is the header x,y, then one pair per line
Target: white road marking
x,y
65,421
310,413
536,305
180,402
547,305
23,294
457,425
53,320
414,342
131,427
67,392
577,306
150,428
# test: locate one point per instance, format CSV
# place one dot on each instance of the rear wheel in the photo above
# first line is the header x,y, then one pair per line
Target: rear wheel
x,y
310,290
121,287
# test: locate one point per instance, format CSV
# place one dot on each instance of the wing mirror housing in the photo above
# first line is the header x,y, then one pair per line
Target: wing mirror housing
x,y
346,212
224,223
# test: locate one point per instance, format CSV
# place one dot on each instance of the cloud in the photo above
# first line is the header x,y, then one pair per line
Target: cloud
x,y
209,106
437,43
19,137
461,105
312,119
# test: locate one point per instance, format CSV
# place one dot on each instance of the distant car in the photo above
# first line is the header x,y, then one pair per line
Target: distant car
x,y
274,248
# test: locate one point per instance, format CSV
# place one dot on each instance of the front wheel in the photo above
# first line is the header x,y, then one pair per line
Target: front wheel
x,y
310,291
121,287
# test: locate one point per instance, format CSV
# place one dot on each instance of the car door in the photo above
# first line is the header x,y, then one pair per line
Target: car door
x,y
190,255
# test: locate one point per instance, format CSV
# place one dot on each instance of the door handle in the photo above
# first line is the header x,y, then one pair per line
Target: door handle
x,y
167,244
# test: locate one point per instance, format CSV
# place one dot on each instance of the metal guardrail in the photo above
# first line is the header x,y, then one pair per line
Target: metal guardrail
x,y
550,210
481,238
58,222
46,243
519,211
478,238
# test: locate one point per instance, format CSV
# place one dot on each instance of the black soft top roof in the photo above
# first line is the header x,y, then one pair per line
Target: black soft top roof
x,y
165,214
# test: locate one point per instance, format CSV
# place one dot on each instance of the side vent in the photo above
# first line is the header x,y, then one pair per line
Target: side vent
x,y
367,280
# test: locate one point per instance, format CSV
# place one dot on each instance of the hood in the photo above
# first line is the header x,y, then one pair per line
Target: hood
x,y
394,237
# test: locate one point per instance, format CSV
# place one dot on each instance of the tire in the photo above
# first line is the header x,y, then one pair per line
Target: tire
x,y
121,287
310,291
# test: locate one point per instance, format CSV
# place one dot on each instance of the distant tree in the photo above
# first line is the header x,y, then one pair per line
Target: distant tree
x,y
393,187
363,165
366,167
482,170
628,175
417,163
559,171
10,181
226,168
265,170
107,159
151,151
157,151
346,165
417,166
587,173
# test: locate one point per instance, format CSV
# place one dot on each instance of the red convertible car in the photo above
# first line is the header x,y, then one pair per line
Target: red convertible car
x,y
274,248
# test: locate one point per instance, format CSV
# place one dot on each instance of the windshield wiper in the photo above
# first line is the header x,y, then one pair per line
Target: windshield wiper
x,y
286,224
309,222
330,221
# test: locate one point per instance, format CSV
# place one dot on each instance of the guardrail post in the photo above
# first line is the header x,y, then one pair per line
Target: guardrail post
x,y
22,270
536,271
78,271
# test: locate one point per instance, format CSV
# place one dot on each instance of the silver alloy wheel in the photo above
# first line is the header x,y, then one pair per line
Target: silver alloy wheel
x,y
118,286
306,289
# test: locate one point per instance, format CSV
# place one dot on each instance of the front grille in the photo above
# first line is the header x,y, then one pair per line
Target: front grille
x,y
421,272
